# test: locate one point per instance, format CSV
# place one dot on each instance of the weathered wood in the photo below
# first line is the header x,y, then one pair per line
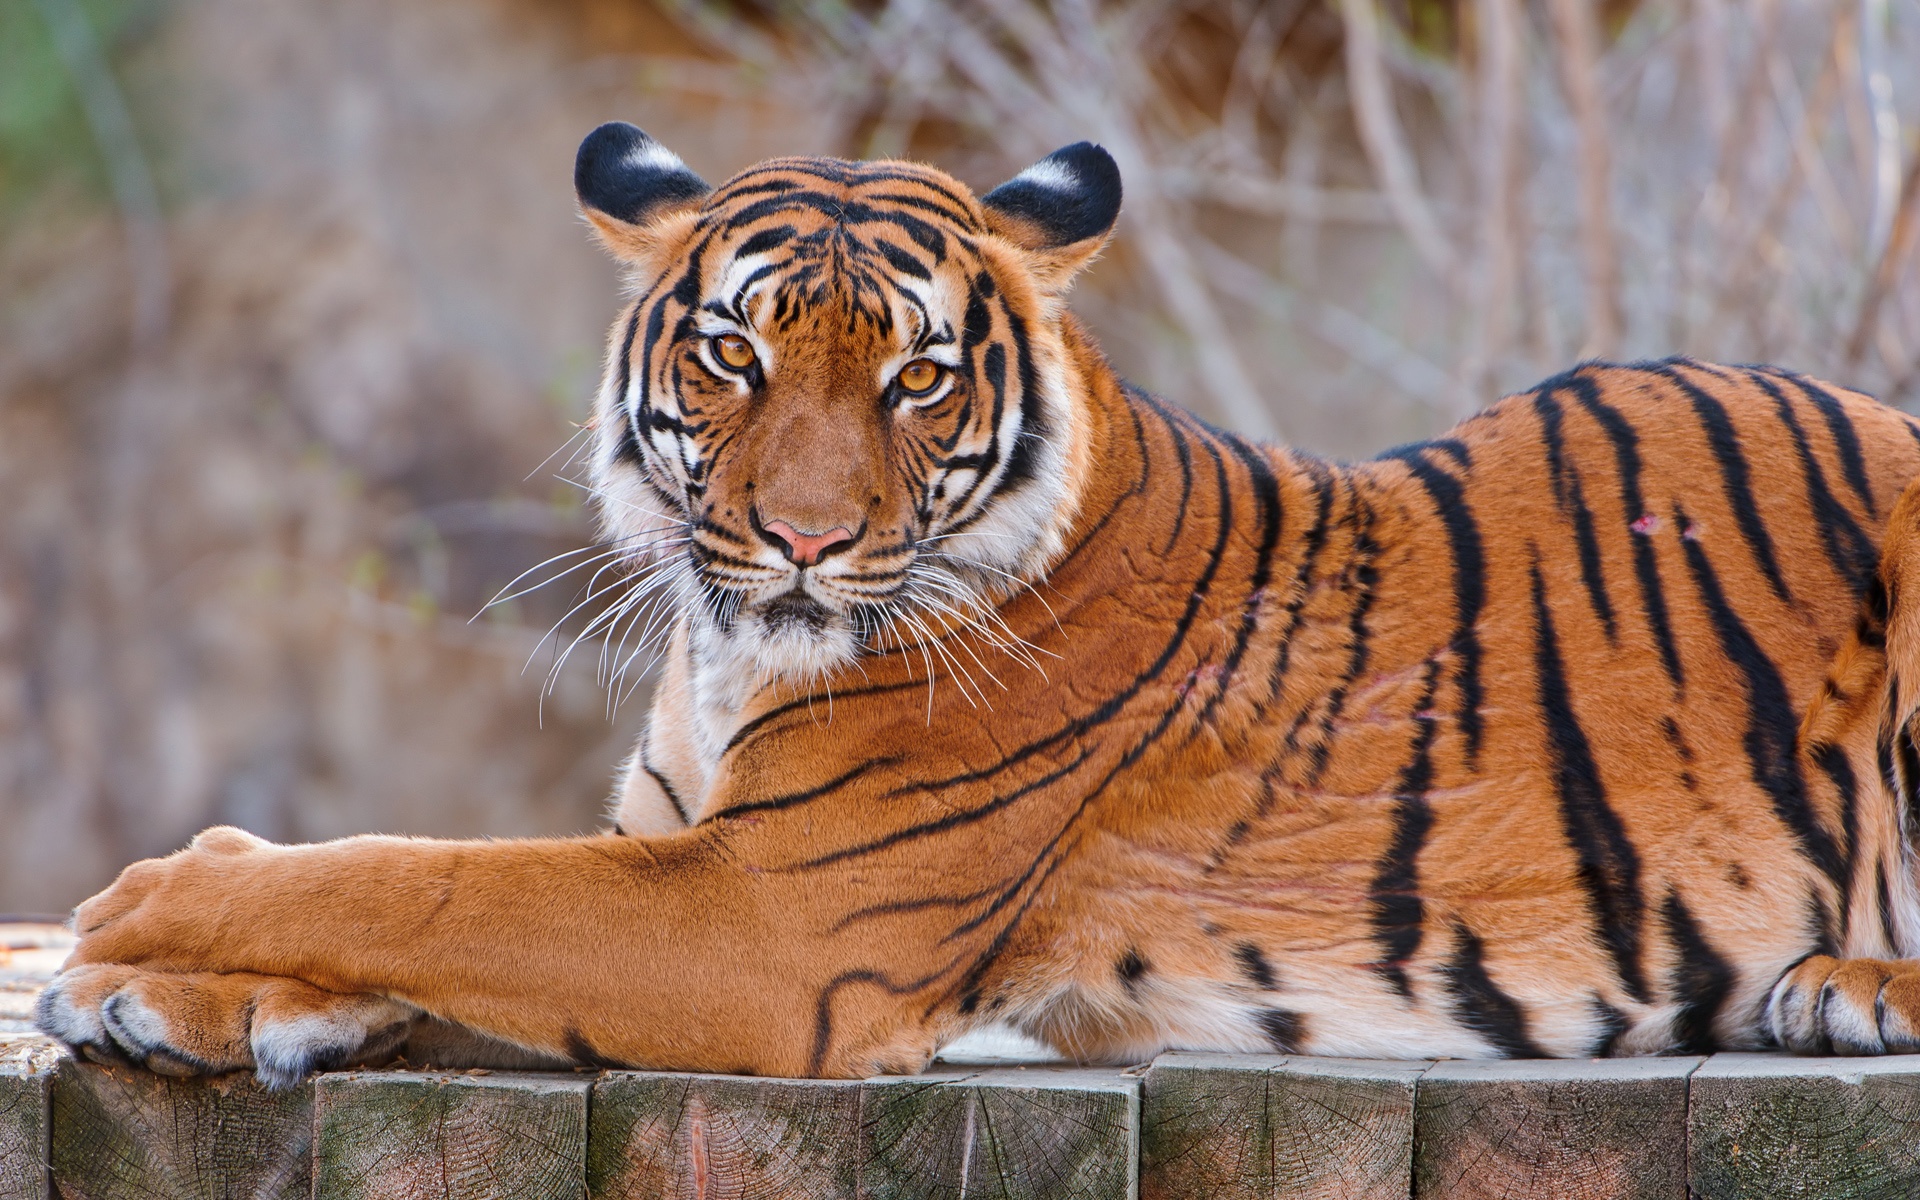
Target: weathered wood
x,y
1605,1129
30,953
123,1132
1018,1133
720,1137
1777,1126
26,1120
1237,1127
413,1135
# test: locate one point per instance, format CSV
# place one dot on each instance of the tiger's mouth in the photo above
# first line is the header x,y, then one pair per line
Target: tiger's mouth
x,y
796,610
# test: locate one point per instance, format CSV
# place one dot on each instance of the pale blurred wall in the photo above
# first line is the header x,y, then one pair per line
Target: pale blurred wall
x,y
236,569
238,554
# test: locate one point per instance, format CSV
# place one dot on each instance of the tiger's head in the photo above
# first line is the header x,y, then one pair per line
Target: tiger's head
x,y
840,409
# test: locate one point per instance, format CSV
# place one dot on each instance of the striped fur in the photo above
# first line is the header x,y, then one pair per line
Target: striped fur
x,y
1585,729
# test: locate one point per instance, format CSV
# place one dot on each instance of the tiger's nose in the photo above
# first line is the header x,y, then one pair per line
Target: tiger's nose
x,y
806,549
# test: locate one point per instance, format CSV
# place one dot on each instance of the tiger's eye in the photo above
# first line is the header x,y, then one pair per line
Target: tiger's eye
x,y
919,377
733,350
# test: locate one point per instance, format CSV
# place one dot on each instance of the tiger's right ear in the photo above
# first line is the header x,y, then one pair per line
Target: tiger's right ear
x,y
627,183
1059,211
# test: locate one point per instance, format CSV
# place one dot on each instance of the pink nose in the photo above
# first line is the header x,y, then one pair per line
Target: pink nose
x,y
805,549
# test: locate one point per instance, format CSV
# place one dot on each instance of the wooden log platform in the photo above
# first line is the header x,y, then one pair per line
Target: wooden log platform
x,y
1219,1127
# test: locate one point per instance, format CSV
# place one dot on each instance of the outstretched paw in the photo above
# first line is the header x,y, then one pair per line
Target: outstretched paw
x,y
208,1024
1847,1006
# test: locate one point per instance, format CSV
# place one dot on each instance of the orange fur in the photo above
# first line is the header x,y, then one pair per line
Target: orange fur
x,y
1569,733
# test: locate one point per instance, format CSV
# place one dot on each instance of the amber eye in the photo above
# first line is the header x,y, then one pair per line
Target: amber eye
x,y
733,350
919,377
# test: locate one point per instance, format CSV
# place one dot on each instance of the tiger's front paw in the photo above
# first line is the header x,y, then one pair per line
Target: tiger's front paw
x,y
165,913
207,1024
1847,1006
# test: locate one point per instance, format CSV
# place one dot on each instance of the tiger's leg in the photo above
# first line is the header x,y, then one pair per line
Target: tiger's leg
x,y
1863,1004
677,953
209,1024
1831,1005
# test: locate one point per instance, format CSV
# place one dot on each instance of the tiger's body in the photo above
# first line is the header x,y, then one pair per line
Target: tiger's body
x,y
1027,697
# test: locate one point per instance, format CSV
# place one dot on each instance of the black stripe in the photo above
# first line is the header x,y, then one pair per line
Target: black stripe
x,y
1646,567
1846,438
1254,965
1612,1026
764,240
673,797
1909,759
1185,456
581,1051
793,799
1572,499
628,448
1311,547
901,261
1479,1004
1772,722
1609,866
1266,493
1698,981
1469,580
1832,760
1366,579
890,908
791,706
1393,898
1820,932
1885,900
1735,479
1855,561
1285,1031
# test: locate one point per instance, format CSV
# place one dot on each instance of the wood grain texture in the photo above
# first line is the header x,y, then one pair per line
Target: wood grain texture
x,y
411,1135
123,1132
1607,1129
1237,1127
719,1137
1014,1133
27,1065
1777,1126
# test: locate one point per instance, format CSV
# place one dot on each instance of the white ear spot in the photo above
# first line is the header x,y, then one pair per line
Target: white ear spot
x,y
649,155
1050,174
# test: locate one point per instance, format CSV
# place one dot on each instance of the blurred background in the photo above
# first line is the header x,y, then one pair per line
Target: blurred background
x,y
295,306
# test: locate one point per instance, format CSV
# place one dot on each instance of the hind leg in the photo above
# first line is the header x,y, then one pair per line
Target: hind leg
x,y
207,1024
1847,1006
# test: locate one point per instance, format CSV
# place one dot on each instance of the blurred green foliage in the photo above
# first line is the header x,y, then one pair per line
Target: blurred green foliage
x,y
45,143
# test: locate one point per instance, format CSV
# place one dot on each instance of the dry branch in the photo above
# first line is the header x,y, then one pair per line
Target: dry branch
x,y
1386,145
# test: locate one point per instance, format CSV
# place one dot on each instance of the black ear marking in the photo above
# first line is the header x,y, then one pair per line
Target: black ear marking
x,y
1069,196
622,173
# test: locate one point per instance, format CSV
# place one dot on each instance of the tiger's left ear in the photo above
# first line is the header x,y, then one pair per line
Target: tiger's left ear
x,y
1060,211
629,186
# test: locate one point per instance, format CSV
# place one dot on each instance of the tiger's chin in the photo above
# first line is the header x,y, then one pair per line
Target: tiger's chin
x,y
795,638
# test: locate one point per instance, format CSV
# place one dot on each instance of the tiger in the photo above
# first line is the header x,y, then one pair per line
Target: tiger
x,y
1001,692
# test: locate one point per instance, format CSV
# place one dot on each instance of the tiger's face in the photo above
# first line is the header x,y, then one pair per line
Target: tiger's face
x,y
839,414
